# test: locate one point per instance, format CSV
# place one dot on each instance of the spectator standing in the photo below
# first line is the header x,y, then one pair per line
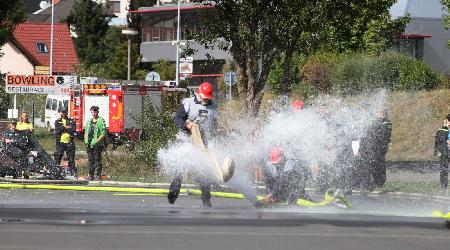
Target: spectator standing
x,y
94,139
64,136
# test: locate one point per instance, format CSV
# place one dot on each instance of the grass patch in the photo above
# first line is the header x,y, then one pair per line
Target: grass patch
x,y
415,118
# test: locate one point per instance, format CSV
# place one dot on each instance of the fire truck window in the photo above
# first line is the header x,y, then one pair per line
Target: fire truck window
x,y
54,104
60,105
66,104
48,105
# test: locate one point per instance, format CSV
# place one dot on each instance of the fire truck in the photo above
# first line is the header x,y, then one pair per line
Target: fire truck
x,y
120,104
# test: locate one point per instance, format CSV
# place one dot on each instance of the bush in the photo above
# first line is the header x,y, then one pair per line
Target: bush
x,y
358,72
416,75
158,129
314,73
350,74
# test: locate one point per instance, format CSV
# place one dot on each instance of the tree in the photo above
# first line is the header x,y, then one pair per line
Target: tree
x,y
165,69
11,13
245,31
335,26
257,31
446,3
91,26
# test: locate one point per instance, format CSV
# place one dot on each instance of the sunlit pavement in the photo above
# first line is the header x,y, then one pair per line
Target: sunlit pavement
x,y
53,219
62,219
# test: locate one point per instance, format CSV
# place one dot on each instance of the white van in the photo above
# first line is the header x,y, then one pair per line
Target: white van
x,y
52,106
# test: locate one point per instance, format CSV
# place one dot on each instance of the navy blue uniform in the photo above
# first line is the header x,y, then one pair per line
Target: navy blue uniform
x,y
441,146
68,147
17,149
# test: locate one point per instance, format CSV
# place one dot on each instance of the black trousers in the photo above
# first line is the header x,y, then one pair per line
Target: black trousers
x,y
379,170
95,161
444,170
69,148
204,183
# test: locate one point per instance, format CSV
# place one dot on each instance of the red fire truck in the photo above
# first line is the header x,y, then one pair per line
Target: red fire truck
x,y
120,103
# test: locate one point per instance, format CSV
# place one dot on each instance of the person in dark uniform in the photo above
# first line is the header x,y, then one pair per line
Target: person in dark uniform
x,y
16,147
382,137
64,136
285,178
371,160
441,149
201,110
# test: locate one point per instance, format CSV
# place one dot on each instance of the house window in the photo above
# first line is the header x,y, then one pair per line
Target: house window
x,y
115,5
412,47
41,48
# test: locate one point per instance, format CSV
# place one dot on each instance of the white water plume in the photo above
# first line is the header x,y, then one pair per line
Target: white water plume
x,y
315,134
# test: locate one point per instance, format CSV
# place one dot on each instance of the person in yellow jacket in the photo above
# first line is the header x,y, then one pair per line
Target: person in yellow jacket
x,y
24,124
64,136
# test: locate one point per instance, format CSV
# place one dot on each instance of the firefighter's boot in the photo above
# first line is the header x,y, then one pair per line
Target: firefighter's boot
x,y
174,189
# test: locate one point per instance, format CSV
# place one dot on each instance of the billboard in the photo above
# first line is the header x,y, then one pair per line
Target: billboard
x,y
186,65
39,84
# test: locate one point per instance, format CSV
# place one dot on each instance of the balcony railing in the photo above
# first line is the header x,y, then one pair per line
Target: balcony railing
x,y
157,34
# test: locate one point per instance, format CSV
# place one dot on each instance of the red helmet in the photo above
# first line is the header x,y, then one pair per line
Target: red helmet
x,y
205,90
297,105
276,155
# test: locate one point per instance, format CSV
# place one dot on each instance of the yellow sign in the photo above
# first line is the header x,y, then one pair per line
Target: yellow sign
x,y
41,70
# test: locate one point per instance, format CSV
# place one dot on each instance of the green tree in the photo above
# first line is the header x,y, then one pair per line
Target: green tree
x,y
245,30
11,13
336,26
165,69
257,31
446,3
91,27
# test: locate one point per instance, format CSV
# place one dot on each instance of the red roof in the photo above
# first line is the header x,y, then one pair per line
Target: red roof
x,y
27,35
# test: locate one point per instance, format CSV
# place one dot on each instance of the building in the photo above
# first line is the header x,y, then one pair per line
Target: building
x,y
425,37
116,9
28,53
159,31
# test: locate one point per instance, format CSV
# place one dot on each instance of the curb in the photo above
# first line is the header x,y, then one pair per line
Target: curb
x,y
161,188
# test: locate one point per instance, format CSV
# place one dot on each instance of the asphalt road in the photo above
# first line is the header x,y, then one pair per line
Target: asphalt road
x,y
43,219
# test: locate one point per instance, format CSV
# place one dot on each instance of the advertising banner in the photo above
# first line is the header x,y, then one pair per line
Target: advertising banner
x,y
39,84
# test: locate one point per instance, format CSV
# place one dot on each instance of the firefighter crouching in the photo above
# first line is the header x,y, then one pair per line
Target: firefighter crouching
x,y
441,149
15,147
200,110
64,136
285,178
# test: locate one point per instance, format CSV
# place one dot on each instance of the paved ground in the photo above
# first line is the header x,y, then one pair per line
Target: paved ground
x,y
53,220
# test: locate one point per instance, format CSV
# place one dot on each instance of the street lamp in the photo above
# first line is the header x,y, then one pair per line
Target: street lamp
x,y
129,33
177,79
51,40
